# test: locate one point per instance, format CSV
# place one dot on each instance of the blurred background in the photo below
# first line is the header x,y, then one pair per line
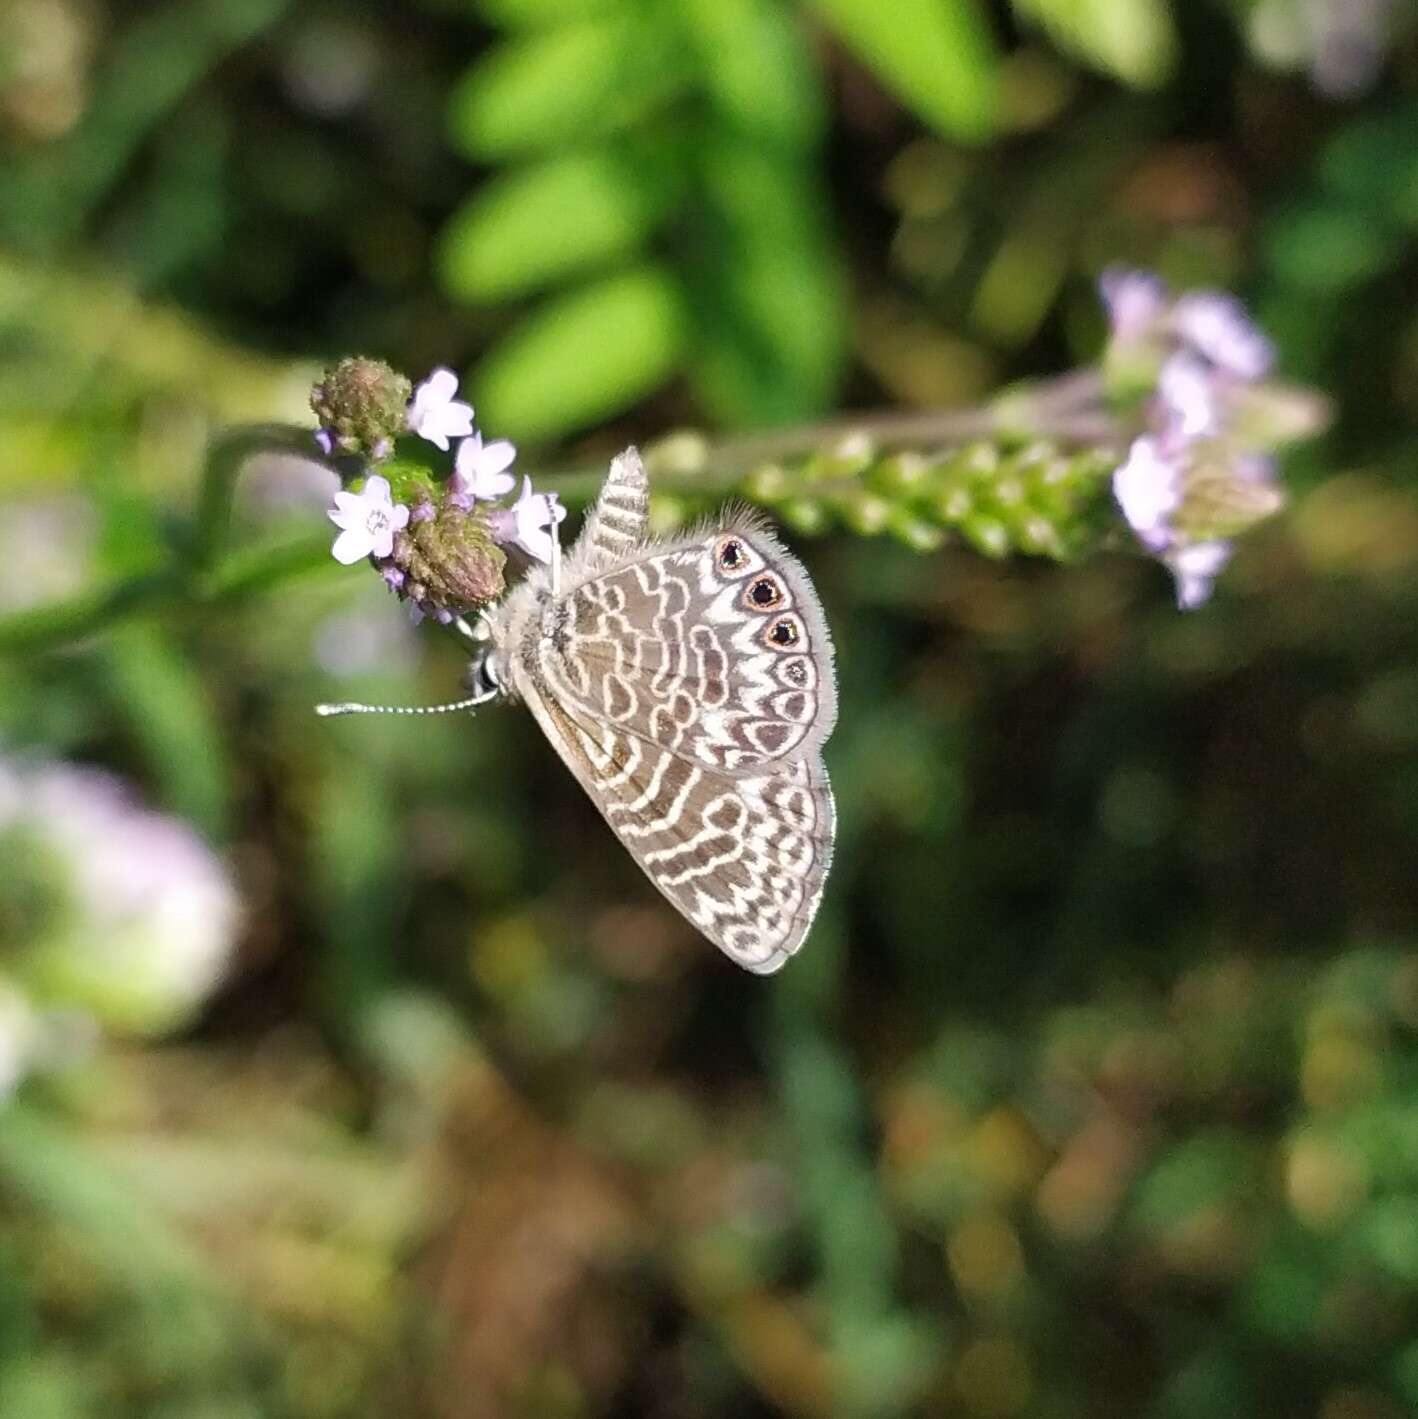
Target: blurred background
x,y
354,1070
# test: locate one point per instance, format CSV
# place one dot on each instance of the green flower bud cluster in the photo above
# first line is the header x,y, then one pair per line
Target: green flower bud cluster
x,y
361,405
1034,498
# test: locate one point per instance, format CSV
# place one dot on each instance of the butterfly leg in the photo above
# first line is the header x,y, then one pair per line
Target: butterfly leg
x,y
476,633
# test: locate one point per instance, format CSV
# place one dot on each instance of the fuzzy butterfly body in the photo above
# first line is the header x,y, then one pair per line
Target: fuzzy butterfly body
x,y
688,685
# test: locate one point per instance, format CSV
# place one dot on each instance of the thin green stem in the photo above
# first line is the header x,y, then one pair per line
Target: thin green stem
x,y
62,622
1068,411
227,456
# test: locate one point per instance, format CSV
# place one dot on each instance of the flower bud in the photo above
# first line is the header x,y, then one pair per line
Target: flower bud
x,y
448,559
361,404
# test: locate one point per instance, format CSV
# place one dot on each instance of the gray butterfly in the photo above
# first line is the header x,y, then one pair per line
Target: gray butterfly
x,y
688,684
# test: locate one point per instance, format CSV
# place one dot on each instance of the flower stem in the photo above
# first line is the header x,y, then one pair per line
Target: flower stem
x,y
1068,411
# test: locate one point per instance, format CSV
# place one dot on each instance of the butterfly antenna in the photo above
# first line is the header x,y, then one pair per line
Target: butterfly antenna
x,y
353,707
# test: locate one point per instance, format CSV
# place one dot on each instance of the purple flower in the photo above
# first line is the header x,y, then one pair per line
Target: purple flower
x,y
480,470
434,414
144,914
1215,325
325,441
1192,480
1189,395
368,521
529,523
1135,300
1148,488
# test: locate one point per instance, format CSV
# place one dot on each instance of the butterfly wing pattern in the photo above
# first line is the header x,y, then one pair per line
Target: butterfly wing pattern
x,y
688,684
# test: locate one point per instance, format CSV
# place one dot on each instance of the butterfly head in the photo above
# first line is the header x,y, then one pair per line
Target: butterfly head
x,y
484,673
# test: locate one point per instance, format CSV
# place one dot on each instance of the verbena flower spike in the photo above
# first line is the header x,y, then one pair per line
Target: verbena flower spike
x,y
1175,431
436,538
1198,474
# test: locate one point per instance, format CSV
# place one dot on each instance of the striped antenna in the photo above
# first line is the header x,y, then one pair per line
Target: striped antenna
x,y
352,707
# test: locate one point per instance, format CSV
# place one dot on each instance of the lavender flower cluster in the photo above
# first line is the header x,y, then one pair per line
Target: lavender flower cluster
x,y
110,915
1195,477
438,546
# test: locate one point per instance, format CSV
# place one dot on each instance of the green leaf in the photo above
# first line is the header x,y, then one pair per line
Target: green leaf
x,y
549,88
149,68
935,55
1133,40
1329,249
1372,163
584,355
768,290
760,76
538,224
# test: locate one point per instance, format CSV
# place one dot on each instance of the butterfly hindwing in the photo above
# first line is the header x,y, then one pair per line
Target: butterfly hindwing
x,y
742,857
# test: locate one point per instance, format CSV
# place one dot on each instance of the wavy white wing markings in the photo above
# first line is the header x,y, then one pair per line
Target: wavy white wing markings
x,y
742,857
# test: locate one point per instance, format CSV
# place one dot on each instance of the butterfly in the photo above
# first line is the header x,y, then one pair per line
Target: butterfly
x,y
688,684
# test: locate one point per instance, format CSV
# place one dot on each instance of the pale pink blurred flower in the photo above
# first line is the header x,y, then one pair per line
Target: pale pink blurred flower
x,y
146,914
1194,568
1147,486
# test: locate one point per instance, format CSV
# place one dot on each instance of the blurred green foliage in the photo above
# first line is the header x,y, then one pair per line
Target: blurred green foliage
x,y
692,132
1094,1092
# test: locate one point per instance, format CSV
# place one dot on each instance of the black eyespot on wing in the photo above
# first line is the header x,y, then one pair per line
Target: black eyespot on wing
x,y
765,593
731,555
784,632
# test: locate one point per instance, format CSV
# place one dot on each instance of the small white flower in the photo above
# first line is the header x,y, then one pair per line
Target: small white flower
x,y
368,521
480,470
1148,488
1195,568
529,523
434,414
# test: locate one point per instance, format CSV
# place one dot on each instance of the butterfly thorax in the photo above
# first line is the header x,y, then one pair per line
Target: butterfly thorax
x,y
524,627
